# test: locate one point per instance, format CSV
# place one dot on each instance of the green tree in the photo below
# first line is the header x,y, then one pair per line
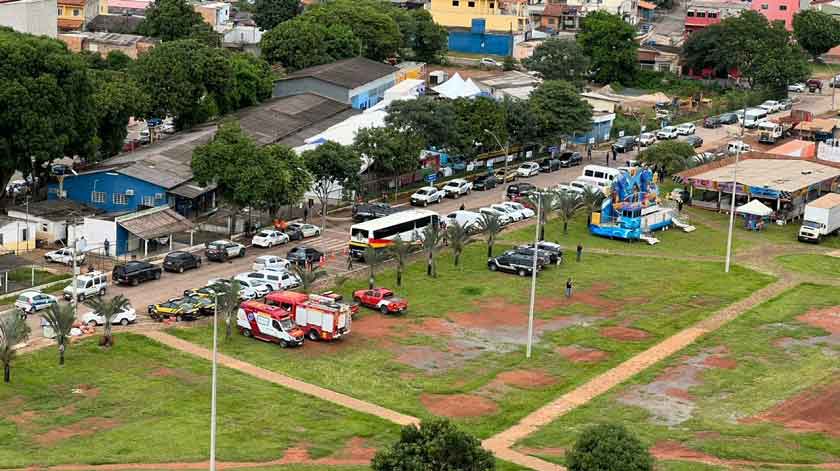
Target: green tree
x,y
610,44
559,59
13,330
392,152
611,447
47,105
434,445
509,63
545,202
816,31
668,156
428,118
368,19
432,238
227,304
280,177
252,83
335,173
458,238
565,204
117,98
170,20
60,318
300,43
473,116
490,226
522,126
429,40
705,48
270,13
560,111
591,200
107,308
400,250
118,60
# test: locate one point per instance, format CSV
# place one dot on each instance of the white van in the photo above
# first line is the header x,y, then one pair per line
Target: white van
x,y
90,284
753,116
734,147
469,220
600,173
275,280
597,183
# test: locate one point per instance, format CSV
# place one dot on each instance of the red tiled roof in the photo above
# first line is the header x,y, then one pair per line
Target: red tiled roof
x,y
72,3
556,9
69,24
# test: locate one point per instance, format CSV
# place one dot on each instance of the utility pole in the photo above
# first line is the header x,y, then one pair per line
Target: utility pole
x,y
734,188
534,277
28,235
505,148
213,384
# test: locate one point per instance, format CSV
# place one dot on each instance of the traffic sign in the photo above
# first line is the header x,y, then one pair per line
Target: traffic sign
x,y
620,133
431,178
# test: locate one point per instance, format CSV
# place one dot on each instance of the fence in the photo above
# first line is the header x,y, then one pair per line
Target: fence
x,y
24,277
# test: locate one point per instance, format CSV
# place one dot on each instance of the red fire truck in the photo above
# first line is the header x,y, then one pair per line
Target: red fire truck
x,y
320,317
269,323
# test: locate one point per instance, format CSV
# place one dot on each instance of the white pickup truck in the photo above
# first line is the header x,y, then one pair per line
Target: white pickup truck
x,y
822,217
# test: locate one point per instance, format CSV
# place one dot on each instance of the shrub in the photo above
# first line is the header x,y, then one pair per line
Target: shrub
x,y
608,447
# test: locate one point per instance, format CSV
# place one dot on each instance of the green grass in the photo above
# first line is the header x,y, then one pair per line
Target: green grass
x,y
24,275
812,263
765,375
162,418
683,292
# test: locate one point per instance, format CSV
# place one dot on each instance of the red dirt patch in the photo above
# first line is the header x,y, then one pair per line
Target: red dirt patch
x,y
680,394
528,379
671,450
592,296
826,319
624,334
458,405
84,427
814,410
162,372
492,312
578,354
354,453
24,419
716,361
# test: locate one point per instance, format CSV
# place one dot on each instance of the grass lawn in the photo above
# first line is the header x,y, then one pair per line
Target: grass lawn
x,y
468,326
24,275
142,402
812,263
729,395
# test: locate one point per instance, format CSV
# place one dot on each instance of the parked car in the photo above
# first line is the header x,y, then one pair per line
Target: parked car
x,y
268,238
771,106
646,139
814,85
307,230
668,132
519,189
367,211
221,250
514,215
488,63
89,284
126,315
735,146
275,280
503,176
303,255
544,258
522,265
485,182
266,262
457,188
728,118
503,216
551,247
135,272
180,261
381,299
64,256
528,169
624,144
526,211
570,159
293,232
245,292
469,220
33,301
695,141
712,122
785,104
177,308
548,165
426,195
260,289
206,305
686,129
796,87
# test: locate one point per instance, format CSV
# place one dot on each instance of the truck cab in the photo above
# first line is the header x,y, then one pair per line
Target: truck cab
x,y
821,218
268,323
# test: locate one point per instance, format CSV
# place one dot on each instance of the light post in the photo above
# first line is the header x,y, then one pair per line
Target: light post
x,y
505,148
734,188
213,384
28,235
534,278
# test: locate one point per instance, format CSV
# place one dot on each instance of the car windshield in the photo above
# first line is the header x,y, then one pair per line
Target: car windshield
x,y
287,324
811,224
81,283
216,245
423,192
23,298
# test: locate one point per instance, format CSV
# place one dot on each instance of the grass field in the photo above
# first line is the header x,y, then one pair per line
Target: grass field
x,y
812,263
142,402
763,388
465,332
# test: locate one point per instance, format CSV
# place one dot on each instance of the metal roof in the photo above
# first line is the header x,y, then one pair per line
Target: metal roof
x,y
156,224
191,189
347,73
55,210
777,174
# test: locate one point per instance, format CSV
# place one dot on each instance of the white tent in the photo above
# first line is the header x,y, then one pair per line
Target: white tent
x,y
456,87
754,208
470,89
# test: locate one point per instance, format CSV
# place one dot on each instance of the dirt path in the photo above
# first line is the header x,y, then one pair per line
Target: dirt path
x,y
282,380
502,443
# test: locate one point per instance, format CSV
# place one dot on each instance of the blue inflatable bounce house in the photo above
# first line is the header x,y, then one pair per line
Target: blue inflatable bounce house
x,y
631,210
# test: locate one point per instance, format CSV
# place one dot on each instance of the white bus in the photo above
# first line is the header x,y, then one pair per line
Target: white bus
x,y
378,233
601,174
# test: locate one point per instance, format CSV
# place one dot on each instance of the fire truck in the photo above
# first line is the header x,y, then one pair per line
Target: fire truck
x,y
269,323
320,317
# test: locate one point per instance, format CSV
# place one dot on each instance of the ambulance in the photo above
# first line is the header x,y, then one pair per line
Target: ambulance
x,y
320,317
268,323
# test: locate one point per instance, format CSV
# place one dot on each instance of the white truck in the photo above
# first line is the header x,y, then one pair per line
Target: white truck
x,y
769,132
822,217
753,116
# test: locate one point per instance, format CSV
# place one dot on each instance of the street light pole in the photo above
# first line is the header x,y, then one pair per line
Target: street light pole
x,y
534,278
213,386
506,148
734,188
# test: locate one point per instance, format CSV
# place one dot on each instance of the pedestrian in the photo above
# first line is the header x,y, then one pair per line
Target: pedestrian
x,y
569,288
579,251
589,152
615,155
607,158
305,213
679,205
349,261
462,207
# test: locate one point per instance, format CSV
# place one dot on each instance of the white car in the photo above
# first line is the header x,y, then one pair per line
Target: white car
x,y
734,147
245,292
260,288
457,187
686,129
514,215
87,285
528,169
268,238
124,317
796,88
308,230
33,301
221,250
668,132
490,63
64,256
526,211
470,220
569,189
646,139
426,195
275,280
266,262
504,217
771,106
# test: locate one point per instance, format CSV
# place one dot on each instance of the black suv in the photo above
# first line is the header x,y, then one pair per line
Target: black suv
x,y
135,272
570,159
522,265
728,118
485,182
516,190
550,165
180,261
367,211
623,144
712,122
543,256
304,255
549,247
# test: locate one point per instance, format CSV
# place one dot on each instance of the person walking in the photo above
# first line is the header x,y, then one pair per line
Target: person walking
x,y
461,207
607,158
589,152
579,251
679,205
349,261
569,288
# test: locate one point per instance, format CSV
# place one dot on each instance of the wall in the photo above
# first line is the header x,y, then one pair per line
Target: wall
x,y
481,43
601,127
777,10
31,16
307,84
80,188
96,231
371,93
46,230
12,233
447,14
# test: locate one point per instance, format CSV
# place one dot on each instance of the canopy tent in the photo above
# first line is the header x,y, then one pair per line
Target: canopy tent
x,y
754,208
456,87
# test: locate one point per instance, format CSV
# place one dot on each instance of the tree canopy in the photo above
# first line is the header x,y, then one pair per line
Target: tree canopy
x,y
609,42
393,151
169,20
430,119
270,13
300,43
816,31
368,19
670,156
434,445
559,110
117,98
253,81
473,116
559,59
611,447
333,167
422,39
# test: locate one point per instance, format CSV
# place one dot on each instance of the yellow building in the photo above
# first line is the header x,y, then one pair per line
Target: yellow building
x,y
73,15
16,235
505,17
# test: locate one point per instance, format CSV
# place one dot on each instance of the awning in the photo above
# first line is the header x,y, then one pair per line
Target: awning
x,y
157,224
191,189
646,5
754,208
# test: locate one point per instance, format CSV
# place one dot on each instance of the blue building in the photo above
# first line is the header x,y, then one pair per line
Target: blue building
x,y
477,40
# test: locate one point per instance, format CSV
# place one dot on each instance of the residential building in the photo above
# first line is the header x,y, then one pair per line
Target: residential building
x,y
103,43
777,10
216,14
30,16
628,10
121,23
560,17
51,219
16,235
73,15
241,37
483,26
647,11
660,58
358,81
703,13
128,7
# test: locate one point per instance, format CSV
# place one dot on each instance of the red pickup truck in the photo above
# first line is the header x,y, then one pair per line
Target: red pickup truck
x,y
381,299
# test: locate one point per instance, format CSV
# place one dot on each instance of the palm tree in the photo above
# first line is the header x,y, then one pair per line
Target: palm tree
x,y
227,304
591,199
307,277
458,238
107,308
60,318
566,203
432,238
373,260
400,250
13,330
544,201
490,226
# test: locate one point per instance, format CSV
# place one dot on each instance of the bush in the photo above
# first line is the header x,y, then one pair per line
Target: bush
x,y
608,447
434,445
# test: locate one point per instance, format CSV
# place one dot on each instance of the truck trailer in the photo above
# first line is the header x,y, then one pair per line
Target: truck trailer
x,y
822,217
320,317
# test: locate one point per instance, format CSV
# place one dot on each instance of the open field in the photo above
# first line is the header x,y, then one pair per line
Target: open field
x,y
812,263
142,402
459,351
764,389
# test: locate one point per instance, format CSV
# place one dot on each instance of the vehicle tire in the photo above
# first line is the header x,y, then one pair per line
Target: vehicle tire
x,y
494,267
425,203
312,335
92,323
135,282
383,309
246,332
283,344
522,272
241,252
101,292
157,275
357,299
124,322
81,297
181,269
